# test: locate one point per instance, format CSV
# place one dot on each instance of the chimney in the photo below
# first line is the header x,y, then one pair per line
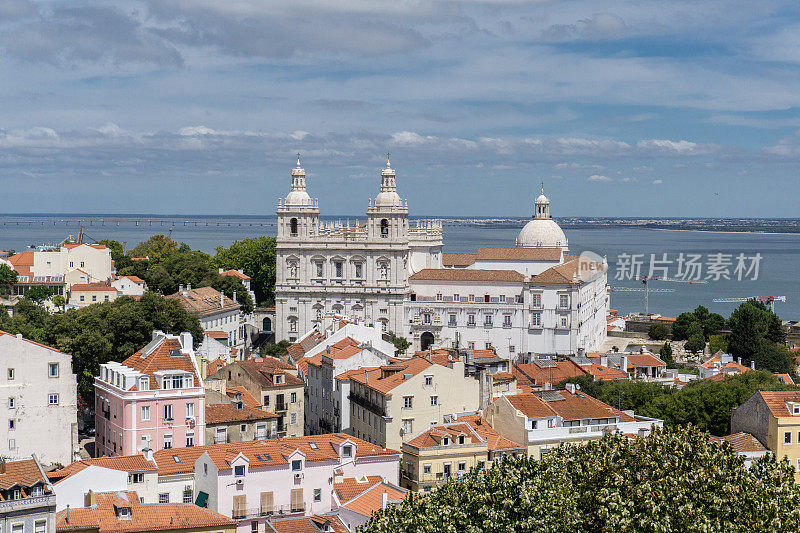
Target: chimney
x,y
571,388
221,299
19,336
623,363
752,365
2,465
384,500
186,340
739,360
604,360
234,296
147,453
221,271
89,499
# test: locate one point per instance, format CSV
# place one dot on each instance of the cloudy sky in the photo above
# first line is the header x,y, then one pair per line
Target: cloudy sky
x,y
678,108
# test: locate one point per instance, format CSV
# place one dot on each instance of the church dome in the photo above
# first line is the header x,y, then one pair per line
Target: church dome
x,y
542,231
298,195
388,197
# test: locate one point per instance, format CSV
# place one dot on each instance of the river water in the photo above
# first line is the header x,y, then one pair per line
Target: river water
x,y
778,269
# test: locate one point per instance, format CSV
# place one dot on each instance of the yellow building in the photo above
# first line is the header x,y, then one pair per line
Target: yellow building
x,y
451,450
391,404
121,512
772,417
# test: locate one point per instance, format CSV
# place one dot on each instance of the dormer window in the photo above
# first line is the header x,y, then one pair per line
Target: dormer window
x,y
445,441
297,465
37,490
278,379
124,513
796,408
347,451
144,383
238,470
461,439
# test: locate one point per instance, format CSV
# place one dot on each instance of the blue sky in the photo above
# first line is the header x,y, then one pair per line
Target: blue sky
x,y
679,108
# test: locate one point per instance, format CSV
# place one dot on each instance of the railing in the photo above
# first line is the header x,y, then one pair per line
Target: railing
x,y
28,503
277,510
281,407
366,404
220,440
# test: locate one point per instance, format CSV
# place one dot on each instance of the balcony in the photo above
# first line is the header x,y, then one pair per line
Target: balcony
x,y
26,504
366,404
277,510
282,406
220,439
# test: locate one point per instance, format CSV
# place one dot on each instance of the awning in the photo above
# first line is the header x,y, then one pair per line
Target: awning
x,y
202,499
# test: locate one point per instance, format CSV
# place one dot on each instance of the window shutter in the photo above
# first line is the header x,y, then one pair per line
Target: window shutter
x,y
297,500
267,502
240,505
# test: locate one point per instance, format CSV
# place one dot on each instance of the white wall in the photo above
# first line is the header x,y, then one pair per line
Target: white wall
x,y
71,490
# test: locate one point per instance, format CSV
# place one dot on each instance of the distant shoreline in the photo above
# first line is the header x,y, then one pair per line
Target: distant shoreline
x,y
720,231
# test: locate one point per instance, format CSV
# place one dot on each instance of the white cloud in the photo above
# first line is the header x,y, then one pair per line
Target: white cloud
x,y
598,27
598,177
643,168
658,182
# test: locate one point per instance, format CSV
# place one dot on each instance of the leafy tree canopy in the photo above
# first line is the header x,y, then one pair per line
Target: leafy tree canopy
x,y
401,344
658,332
155,248
275,350
255,256
675,480
38,293
754,329
707,324
98,333
8,277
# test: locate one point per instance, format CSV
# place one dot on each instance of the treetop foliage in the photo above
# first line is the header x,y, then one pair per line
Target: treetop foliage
x,y
675,480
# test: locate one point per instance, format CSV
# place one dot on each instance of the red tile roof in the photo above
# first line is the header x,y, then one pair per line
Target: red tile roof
x,y
394,374
458,260
24,473
371,500
644,360
533,374
204,301
226,413
742,442
308,524
234,273
126,463
264,369
571,407
87,287
776,401
350,487
161,359
72,245
494,440
433,436
467,274
518,254
143,517
218,335
21,259
246,397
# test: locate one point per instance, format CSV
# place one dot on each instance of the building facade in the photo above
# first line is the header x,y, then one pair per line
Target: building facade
x,y
215,311
334,268
40,395
152,400
275,384
520,301
27,499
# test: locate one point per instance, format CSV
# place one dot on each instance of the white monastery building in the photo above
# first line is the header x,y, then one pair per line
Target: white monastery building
x,y
360,271
530,299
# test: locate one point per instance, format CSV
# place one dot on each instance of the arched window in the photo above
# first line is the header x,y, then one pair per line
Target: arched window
x,y
293,226
266,324
384,228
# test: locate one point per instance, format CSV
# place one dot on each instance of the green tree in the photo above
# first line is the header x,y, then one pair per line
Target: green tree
x,y
39,293
695,343
754,331
666,354
8,277
657,332
59,301
681,326
717,343
275,350
255,256
155,248
117,251
675,480
401,344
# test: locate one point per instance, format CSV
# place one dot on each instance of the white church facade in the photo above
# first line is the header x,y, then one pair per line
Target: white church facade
x,y
359,271
532,298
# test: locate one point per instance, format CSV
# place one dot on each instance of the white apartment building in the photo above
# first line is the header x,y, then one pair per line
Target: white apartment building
x,y
359,271
216,312
129,285
39,395
530,299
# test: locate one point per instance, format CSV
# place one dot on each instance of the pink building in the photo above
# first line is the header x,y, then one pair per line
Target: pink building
x,y
153,399
254,482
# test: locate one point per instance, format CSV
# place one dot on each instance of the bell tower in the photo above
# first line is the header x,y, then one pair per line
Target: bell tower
x,y
298,213
387,216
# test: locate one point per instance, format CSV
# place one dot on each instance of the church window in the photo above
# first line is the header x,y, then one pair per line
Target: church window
x,y
319,314
488,345
339,267
359,267
471,297
293,226
471,345
536,319
384,228
452,319
487,321
426,318
439,297
506,321
471,319
563,300
318,268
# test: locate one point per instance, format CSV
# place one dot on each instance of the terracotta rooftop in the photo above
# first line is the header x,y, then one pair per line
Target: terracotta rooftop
x,y
494,440
162,358
371,499
218,335
127,463
72,245
518,254
306,342
467,274
458,260
264,369
309,524
204,301
776,401
84,287
644,360
24,473
226,413
234,273
143,517
742,442
265,452
552,372
569,407
246,397
350,487
432,437
21,259
400,372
